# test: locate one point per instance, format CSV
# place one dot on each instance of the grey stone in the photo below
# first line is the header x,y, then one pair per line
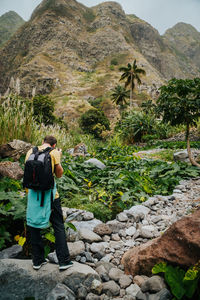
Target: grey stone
x,y
96,287
92,296
116,245
153,284
107,258
97,163
106,238
130,231
83,260
140,279
99,255
76,248
129,243
115,274
125,281
141,296
122,217
115,237
11,252
147,231
164,294
98,247
122,233
132,290
138,212
88,216
88,235
61,291
107,265
89,257
115,226
81,293
111,288
53,257
91,224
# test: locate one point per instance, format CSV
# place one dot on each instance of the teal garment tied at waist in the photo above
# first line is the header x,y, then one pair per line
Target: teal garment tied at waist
x,y
37,216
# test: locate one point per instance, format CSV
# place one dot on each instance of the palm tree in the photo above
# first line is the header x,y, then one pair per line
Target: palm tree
x,y
131,73
119,96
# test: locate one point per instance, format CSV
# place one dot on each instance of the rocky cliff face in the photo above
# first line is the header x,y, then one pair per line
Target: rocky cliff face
x,y
66,49
9,24
172,53
184,39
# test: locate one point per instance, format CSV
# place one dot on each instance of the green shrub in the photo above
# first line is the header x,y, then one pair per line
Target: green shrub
x,y
95,122
43,108
96,102
135,126
89,16
114,62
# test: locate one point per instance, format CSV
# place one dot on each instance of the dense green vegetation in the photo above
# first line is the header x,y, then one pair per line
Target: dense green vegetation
x,y
127,179
183,284
94,122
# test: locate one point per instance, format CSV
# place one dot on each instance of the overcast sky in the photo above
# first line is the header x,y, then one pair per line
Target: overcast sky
x,y
161,14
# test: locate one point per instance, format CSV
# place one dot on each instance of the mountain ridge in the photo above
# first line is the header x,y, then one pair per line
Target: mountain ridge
x,y
9,24
66,49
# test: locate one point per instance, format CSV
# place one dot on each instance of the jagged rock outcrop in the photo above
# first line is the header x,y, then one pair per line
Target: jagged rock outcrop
x,y
9,24
180,244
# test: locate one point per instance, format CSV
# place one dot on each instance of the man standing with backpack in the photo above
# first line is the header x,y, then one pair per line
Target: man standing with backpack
x,y
42,163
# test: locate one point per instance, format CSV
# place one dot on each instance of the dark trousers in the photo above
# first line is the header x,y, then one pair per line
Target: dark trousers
x,y
62,250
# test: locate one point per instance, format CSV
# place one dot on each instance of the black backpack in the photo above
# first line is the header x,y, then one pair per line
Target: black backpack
x,y
38,174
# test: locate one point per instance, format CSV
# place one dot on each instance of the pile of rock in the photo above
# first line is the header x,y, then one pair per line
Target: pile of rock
x,y
97,249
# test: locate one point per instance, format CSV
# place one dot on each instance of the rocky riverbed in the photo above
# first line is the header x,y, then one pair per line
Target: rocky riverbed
x,y
97,249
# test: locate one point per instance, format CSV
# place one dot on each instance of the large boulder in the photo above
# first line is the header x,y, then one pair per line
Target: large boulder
x,y
14,149
20,281
11,170
180,244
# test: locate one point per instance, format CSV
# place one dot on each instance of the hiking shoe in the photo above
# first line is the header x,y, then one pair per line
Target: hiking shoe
x,y
38,266
66,266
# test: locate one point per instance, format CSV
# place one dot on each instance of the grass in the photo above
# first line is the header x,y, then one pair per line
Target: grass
x,y
17,122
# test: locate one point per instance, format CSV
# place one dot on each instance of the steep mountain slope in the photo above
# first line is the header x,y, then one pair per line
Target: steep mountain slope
x,y
63,42
9,23
66,49
164,55
185,40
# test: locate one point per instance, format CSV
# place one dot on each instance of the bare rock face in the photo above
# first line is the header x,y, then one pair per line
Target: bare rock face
x,y
180,244
11,170
14,149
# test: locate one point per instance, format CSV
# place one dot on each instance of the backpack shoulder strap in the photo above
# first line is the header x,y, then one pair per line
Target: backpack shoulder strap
x,y
35,150
48,149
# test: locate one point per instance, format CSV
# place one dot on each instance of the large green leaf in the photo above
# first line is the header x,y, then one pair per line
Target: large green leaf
x,y
174,278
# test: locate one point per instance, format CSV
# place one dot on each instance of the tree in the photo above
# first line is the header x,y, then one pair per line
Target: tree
x,y
94,121
179,103
43,108
131,73
119,96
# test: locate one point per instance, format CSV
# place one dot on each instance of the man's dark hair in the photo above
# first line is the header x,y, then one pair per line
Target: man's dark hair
x,y
49,139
